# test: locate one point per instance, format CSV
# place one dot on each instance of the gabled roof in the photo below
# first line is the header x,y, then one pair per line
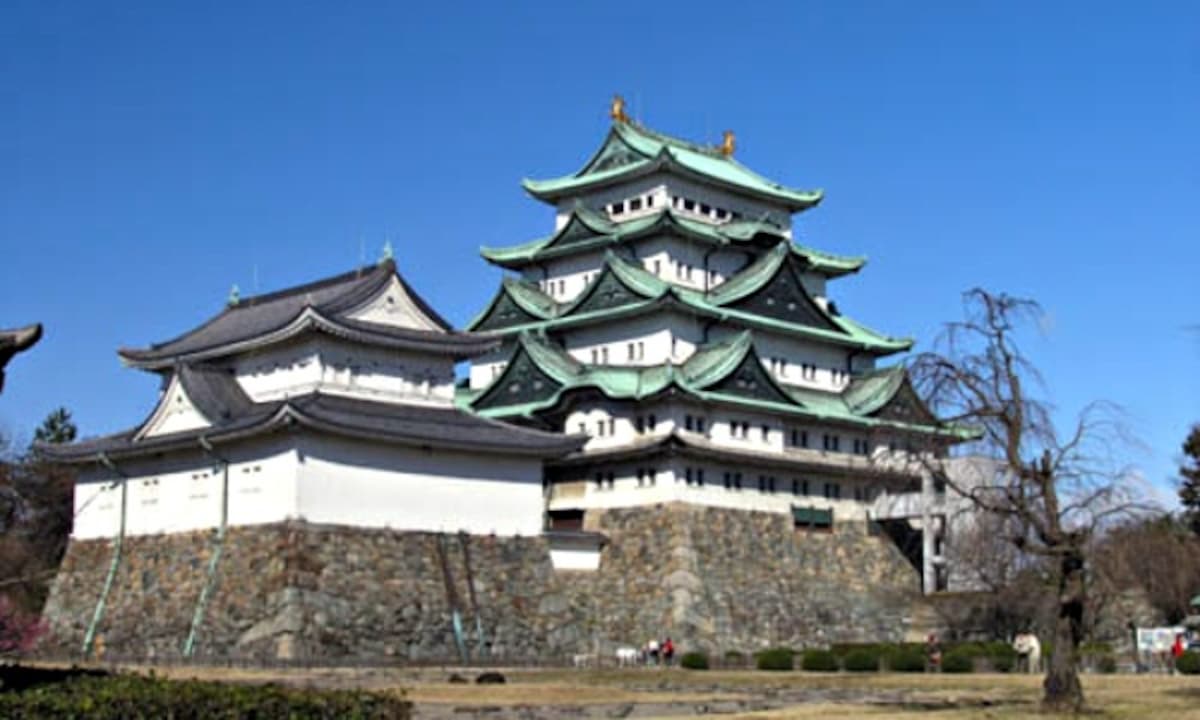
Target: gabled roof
x,y
540,377
622,289
233,416
587,231
330,306
631,151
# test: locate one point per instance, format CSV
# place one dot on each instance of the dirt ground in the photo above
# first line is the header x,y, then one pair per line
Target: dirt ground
x,y
653,692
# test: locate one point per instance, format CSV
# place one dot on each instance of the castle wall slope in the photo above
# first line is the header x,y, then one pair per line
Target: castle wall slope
x,y
713,578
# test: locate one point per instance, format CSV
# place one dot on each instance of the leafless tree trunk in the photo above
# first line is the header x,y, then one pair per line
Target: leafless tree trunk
x,y
1051,491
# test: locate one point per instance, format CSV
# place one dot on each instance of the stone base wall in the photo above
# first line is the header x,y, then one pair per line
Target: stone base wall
x,y
711,578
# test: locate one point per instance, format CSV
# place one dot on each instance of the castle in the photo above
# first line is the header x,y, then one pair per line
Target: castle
x,y
668,427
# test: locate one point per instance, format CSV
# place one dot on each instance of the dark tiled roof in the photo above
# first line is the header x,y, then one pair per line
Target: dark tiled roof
x,y
234,416
15,341
257,319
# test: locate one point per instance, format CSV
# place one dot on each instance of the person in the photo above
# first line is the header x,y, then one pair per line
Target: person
x,y
933,653
1177,650
652,652
668,651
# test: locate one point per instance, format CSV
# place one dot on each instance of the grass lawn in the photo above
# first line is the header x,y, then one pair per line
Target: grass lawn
x,y
742,693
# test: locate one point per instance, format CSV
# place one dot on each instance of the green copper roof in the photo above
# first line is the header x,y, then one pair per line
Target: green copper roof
x,y
631,151
622,289
540,375
586,230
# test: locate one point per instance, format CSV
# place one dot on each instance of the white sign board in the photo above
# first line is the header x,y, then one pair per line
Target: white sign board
x,y
1157,640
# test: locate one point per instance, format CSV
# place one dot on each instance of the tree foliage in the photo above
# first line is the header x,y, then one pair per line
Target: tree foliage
x,y
57,428
1189,475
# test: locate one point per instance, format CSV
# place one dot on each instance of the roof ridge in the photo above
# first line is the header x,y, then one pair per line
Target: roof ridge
x,y
320,284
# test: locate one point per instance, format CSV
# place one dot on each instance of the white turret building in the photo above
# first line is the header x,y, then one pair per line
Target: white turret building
x,y
331,402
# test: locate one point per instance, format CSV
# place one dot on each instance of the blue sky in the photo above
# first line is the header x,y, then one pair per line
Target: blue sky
x,y
152,155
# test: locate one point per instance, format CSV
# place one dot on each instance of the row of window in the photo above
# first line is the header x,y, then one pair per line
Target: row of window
x,y
735,482
620,207
829,442
704,209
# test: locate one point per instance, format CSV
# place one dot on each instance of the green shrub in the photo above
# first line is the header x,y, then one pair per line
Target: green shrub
x,y
130,697
905,659
1095,649
819,661
958,661
780,658
1107,664
1188,663
861,660
694,661
733,658
1003,662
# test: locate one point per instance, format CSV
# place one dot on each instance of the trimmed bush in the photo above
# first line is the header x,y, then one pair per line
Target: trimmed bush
x,y
733,658
1188,663
906,660
780,658
1106,665
819,661
958,661
862,660
131,697
1003,663
694,661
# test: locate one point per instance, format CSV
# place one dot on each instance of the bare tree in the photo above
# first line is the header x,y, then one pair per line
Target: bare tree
x,y
1051,490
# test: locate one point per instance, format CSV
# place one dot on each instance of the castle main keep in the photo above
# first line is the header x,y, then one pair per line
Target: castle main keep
x,y
668,427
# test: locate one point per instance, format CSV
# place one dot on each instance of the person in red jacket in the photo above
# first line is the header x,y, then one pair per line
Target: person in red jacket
x,y
1177,651
668,651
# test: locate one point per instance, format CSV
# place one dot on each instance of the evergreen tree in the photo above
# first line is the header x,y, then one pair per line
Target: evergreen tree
x,y
1189,486
58,427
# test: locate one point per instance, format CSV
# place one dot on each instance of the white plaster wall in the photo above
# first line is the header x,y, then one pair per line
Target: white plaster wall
x,y
343,368
664,336
654,185
563,279
183,492
671,486
486,368
367,485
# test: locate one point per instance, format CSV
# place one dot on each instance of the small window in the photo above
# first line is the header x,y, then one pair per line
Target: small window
x,y
652,423
687,422
699,424
649,201
639,424
722,214
687,474
641,480
810,518
618,207
631,354
604,355
595,356
689,204
700,476
582,428
612,426
705,209
657,267
610,480
727,479
833,491
635,204
799,487
766,433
